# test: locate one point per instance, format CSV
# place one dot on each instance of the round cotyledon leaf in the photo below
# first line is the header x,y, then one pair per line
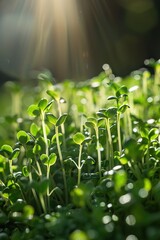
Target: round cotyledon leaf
x,y
23,137
78,138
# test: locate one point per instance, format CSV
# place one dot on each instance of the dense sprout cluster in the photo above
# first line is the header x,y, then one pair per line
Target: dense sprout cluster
x,y
81,160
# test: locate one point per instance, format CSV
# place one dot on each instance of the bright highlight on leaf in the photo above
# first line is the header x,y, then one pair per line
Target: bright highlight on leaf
x,y
34,129
78,138
7,149
42,104
48,161
23,137
33,110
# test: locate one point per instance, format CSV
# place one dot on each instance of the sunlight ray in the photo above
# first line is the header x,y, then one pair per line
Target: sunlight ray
x,y
48,34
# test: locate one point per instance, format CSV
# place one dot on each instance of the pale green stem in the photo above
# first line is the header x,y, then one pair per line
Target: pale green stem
x,y
79,164
111,162
34,192
48,192
10,166
44,131
129,122
98,151
42,203
62,164
119,133
39,168
147,156
62,125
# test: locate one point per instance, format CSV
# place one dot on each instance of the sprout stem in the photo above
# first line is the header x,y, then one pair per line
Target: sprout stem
x,y
62,164
44,131
119,132
79,164
98,151
110,150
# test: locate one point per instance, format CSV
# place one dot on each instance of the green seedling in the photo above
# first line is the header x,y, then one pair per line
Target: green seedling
x,y
108,114
121,104
85,169
79,139
57,122
55,95
94,123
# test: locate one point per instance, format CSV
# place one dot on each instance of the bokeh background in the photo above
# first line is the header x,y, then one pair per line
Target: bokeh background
x,y
74,38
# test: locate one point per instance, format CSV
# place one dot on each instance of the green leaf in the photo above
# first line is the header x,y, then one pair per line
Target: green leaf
x,y
61,119
42,186
48,161
91,122
44,159
100,121
60,136
49,105
123,108
33,110
87,140
34,129
51,118
78,138
122,91
23,137
37,149
15,153
43,104
107,113
153,134
53,94
12,192
52,159
111,112
42,145
25,171
112,98
101,113
7,149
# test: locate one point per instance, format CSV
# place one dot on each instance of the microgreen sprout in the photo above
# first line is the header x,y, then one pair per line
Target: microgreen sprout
x,y
79,138
86,169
